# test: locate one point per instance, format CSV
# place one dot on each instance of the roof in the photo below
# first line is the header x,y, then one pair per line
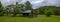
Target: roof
x,y
27,11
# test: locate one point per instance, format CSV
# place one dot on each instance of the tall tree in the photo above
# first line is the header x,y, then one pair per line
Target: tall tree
x,y
28,5
18,8
0,6
0,9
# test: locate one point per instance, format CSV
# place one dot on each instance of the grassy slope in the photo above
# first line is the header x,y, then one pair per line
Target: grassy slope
x,y
40,18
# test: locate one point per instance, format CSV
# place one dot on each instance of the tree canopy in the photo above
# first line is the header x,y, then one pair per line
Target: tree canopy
x,y
28,5
0,5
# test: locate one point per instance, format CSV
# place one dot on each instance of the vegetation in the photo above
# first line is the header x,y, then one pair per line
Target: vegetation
x,y
40,13
48,12
1,9
52,9
18,8
28,5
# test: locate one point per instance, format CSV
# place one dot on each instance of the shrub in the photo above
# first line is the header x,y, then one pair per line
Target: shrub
x,y
48,14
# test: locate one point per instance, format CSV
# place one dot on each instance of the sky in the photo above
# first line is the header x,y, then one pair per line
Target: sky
x,y
35,3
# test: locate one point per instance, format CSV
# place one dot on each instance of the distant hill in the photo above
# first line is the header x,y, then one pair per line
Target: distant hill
x,y
54,8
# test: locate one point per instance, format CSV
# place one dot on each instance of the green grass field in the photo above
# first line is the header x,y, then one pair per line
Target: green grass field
x,y
39,18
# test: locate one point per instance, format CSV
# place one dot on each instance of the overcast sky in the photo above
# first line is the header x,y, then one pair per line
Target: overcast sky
x,y
35,3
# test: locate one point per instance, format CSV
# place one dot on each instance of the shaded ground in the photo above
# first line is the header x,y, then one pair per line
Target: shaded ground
x,y
40,18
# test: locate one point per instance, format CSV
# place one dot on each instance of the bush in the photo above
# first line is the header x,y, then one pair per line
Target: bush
x,y
48,14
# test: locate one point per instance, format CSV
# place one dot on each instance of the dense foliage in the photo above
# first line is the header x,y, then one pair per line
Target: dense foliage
x,y
53,9
16,9
1,9
28,5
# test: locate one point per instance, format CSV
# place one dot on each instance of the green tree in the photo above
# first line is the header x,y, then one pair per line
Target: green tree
x,y
7,10
37,12
18,8
28,5
48,12
0,9
0,5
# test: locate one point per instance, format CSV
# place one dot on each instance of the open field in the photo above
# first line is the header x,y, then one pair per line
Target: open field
x,y
39,18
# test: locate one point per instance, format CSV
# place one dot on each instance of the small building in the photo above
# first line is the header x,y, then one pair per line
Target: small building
x,y
29,13
26,13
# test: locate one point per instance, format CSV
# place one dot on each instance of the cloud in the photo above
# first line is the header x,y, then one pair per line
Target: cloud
x,y
47,3
7,2
52,2
38,3
35,3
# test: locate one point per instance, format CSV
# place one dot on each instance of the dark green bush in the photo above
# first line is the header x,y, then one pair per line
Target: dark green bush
x,y
48,14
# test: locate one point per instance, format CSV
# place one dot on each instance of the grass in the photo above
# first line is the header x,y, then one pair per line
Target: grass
x,y
39,18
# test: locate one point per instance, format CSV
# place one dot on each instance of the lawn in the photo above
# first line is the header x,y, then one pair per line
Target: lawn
x,y
39,18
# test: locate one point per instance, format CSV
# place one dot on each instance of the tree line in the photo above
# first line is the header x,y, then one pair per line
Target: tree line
x,y
48,10
19,8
